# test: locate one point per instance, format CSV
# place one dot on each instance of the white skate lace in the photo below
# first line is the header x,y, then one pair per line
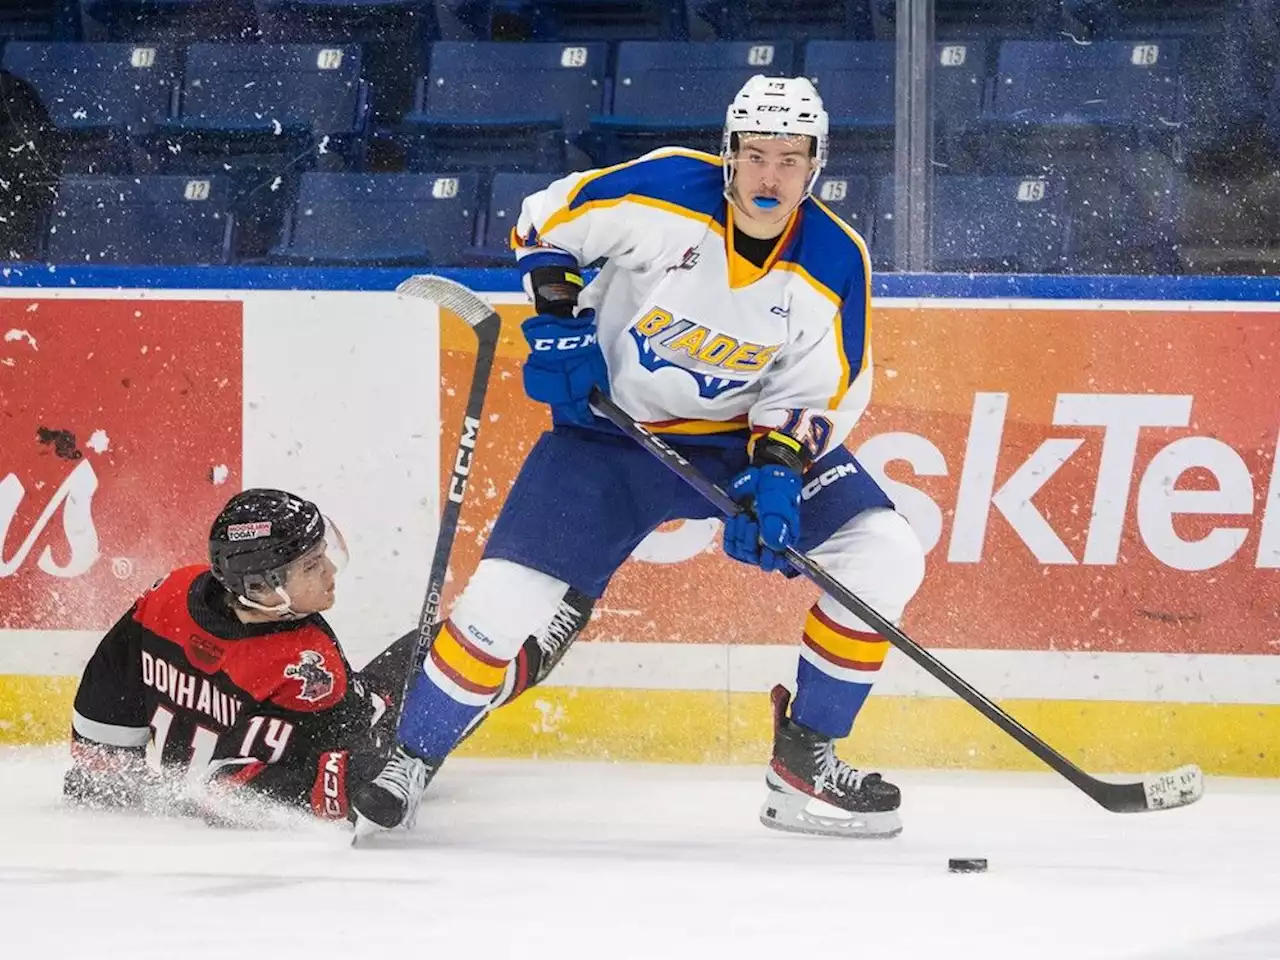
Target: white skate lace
x,y
834,772
559,629
404,776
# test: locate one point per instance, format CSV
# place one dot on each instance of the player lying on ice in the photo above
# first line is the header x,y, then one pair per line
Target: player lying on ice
x,y
732,317
224,683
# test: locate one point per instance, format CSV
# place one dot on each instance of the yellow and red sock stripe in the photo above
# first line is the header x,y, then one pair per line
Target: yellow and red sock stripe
x,y
465,664
843,646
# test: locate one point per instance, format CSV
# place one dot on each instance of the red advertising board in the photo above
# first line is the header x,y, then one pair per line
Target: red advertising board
x,y
120,437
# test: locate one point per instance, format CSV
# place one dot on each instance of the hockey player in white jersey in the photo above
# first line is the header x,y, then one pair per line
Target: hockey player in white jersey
x,y
732,317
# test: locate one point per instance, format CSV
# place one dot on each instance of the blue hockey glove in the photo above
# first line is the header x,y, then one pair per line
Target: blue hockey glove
x,y
771,522
565,362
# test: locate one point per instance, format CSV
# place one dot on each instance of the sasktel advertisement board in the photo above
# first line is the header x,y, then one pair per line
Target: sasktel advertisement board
x,y
1096,483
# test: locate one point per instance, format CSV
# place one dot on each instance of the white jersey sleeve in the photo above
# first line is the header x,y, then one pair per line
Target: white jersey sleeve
x,y
585,216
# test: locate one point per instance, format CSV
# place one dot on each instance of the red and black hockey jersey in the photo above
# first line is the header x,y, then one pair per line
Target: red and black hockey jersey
x,y
271,706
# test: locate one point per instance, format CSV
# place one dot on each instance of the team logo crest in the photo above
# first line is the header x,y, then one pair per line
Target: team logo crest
x,y
317,682
688,261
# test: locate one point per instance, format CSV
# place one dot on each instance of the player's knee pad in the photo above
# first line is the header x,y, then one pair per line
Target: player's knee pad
x,y
879,557
504,603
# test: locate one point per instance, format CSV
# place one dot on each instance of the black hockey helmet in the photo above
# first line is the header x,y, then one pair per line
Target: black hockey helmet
x,y
258,534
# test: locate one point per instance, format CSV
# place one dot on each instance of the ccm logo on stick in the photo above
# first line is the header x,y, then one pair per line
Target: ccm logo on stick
x,y
462,462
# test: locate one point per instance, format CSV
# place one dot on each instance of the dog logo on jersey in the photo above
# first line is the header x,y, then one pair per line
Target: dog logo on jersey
x,y
317,682
664,341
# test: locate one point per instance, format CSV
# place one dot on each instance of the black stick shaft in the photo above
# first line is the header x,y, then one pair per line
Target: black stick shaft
x,y
486,349
1096,789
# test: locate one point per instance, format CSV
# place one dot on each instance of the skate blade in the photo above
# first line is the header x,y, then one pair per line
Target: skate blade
x,y
797,813
365,830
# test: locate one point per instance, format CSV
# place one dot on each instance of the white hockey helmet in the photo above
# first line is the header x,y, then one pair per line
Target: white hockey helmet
x,y
776,106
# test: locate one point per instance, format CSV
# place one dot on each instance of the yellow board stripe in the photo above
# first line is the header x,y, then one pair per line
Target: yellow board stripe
x,y
458,656
703,726
847,647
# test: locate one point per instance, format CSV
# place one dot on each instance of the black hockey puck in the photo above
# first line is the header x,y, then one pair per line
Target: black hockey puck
x,y
967,865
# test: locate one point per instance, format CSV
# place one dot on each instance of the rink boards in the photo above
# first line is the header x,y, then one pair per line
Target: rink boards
x,y
1096,482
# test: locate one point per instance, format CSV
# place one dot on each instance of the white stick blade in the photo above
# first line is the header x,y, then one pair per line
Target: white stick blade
x,y
1177,788
447,293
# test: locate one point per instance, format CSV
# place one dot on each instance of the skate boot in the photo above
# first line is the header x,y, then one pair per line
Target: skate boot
x,y
811,790
391,799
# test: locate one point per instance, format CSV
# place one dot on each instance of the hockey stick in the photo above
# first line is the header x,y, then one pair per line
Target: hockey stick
x,y
484,320
1177,788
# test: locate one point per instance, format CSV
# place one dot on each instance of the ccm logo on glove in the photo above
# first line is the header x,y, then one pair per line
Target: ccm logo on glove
x,y
826,478
564,343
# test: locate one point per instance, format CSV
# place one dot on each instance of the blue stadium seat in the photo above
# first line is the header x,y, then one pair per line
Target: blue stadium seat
x,y
34,20
1113,94
988,19
393,36
996,224
91,86
244,87
883,228
1126,218
999,224
677,93
262,114
381,219
168,21
849,197
561,20
145,221
856,81
1143,19
506,195
505,106
795,20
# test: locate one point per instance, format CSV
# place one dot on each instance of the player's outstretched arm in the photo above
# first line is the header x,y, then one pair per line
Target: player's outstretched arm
x,y
109,729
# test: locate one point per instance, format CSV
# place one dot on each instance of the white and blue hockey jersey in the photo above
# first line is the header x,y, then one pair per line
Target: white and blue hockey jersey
x,y
699,341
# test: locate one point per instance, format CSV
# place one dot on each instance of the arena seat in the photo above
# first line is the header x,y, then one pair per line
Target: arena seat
x,y
97,94
505,106
677,94
380,219
141,220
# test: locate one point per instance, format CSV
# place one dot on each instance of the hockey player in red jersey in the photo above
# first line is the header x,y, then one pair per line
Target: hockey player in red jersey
x,y
225,682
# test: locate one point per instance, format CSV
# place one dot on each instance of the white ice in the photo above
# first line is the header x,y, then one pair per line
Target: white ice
x,y
555,860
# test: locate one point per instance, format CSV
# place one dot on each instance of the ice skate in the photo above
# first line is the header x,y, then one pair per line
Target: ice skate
x,y
811,790
391,800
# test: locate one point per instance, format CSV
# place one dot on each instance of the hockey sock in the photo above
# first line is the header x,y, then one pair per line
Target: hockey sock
x,y
838,664
457,681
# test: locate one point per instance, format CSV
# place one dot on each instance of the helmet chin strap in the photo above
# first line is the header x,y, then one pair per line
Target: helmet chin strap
x,y
283,611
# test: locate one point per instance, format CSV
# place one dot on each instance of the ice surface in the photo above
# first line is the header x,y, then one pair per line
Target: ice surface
x,y
526,859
